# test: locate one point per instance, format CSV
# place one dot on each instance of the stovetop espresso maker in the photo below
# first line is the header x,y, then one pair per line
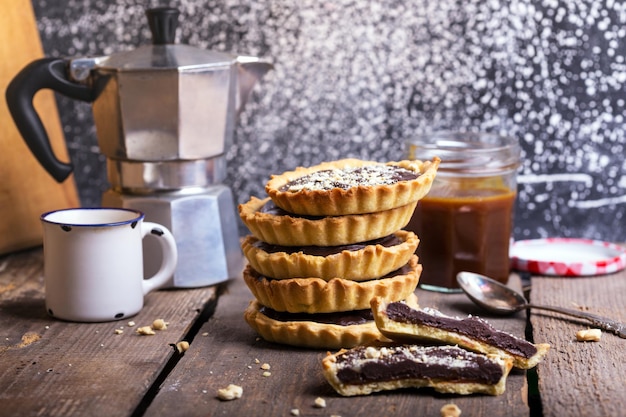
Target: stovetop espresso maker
x,y
164,115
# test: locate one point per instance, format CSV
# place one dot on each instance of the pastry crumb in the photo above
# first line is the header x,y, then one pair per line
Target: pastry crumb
x,y
294,412
131,324
231,392
118,331
267,373
145,330
265,367
320,403
182,346
159,324
589,335
450,410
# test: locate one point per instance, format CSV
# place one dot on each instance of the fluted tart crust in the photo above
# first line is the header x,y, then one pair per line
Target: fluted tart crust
x,y
273,225
357,262
317,331
315,295
351,186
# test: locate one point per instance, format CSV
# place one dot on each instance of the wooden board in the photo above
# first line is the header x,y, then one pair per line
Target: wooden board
x,y
231,353
598,368
54,368
26,189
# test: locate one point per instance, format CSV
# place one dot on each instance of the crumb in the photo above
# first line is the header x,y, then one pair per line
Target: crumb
x,y
231,392
205,334
159,324
450,410
589,335
145,330
182,346
320,403
265,366
118,331
256,360
294,412
131,323
267,373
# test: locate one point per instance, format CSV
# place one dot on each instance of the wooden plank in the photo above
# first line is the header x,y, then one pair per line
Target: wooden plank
x,y
55,368
585,379
230,352
26,189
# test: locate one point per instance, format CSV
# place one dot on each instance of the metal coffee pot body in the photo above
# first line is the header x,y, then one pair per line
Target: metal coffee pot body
x,y
164,115
159,102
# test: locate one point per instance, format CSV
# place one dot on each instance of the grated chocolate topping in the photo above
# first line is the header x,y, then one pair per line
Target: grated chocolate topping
x,y
345,178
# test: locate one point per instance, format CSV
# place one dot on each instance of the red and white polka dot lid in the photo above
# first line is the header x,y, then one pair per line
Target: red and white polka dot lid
x,y
567,257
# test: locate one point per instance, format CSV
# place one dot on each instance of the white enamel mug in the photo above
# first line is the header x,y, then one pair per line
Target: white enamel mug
x,y
93,262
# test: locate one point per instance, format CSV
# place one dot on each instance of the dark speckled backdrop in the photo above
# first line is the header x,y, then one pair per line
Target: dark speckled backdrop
x,y
359,77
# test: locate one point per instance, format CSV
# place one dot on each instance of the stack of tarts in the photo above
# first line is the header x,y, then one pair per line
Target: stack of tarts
x,y
326,241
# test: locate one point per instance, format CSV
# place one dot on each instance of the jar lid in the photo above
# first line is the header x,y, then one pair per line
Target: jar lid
x,y
567,257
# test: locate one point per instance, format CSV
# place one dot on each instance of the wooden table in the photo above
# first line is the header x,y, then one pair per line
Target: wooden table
x,y
54,368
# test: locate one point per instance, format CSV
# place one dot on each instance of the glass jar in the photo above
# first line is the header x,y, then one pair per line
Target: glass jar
x,y
465,222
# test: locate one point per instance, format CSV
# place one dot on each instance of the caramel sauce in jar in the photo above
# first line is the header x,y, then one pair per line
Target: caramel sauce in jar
x,y
465,222
464,233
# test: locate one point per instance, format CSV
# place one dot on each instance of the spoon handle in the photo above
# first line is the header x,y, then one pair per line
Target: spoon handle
x,y
598,321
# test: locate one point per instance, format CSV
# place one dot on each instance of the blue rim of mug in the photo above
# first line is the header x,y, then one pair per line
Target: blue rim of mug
x,y
139,215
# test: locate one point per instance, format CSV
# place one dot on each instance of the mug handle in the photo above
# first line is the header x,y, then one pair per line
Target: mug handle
x,y
170,256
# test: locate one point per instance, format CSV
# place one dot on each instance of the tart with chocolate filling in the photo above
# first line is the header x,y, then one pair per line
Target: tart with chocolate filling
x,y
315,295
404,323
319,331
448,369
357,262
271,224
351,186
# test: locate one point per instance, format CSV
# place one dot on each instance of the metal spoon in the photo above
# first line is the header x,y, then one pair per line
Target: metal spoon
x,y
500,299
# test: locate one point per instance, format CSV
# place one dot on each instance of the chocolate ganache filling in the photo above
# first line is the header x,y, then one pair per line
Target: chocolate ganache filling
x,y
347,318
473,327
270,208
387,241
364,365
404,270
345,178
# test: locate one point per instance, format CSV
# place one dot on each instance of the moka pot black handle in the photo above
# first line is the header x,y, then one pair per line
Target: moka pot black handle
x,y
43,73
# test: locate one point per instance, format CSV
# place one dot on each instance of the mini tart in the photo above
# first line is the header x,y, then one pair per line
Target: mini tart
x,y
369,262
314,334
404,323
315,295
292,230
447,369
354,199
310,334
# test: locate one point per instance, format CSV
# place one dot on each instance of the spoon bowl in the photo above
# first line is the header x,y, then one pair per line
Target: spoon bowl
x,y
490,294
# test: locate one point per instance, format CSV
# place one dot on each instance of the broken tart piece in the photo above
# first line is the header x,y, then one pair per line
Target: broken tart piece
x,y
447,369
315,295
351,186
401,322
357,261
273,225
